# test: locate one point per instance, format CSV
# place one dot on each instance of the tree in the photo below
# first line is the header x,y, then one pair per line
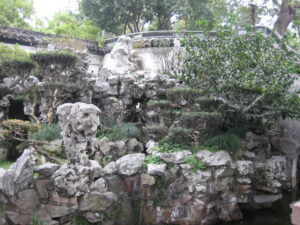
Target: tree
x,y
287,13
54,69
15,13
71,25
116,16
248,74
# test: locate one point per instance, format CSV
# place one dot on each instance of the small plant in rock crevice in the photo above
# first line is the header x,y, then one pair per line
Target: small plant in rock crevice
x,y
196,163
36,219
150,159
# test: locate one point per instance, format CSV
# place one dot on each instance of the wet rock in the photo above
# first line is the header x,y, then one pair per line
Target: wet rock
x,y
269,198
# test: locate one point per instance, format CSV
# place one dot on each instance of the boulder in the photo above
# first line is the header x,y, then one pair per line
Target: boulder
x,y
99,185
220,158
156,169
46,170
129,165
244,168
176,157
96,201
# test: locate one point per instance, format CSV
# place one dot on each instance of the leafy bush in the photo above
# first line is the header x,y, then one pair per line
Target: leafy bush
x,y
5,164
169,148
36,219
54,57
20,126
47,133
196,163
159,103
16,67
199,120
152,159
187,93
180,134
8,53
158,130
120,131
250,74
226,141
170,116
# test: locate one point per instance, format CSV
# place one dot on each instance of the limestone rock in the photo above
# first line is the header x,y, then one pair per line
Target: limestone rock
x,y
245,168
147,180
134,146
47,169
176,157
96,201
99,185
156,169
96,168
19,175
276,172
129,165
110,168
219,158
150,145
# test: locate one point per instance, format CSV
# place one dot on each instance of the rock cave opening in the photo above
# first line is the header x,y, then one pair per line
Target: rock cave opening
x,y
16,110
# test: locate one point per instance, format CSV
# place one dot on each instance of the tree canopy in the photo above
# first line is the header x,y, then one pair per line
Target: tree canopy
x,y
15,13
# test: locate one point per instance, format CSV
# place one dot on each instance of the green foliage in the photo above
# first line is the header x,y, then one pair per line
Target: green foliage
x,y
169,116
199,120
14,61
80,220
5,164
180,134
71,25
170,147
196,163
152,159
208,104
248,74
187,93
158,130
20,126
2,208
47,133
15,13
159,103
226,141
54,58
119,131
36,219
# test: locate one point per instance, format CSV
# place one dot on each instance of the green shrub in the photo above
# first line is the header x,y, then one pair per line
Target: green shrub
x,y
159,103
120,131
180,134
15,67
226,141
208,104
54,58
200,120
169,116
47,133
196,163
8,53
152,159
5,164
80,220
36,219
158,130
187,93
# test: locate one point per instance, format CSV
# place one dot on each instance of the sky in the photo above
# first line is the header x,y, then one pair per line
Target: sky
x,y
47,8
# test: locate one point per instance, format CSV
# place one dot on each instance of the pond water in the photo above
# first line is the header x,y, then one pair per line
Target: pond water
x,y
279,214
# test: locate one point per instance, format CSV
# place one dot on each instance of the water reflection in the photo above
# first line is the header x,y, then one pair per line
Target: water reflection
x,y
279,214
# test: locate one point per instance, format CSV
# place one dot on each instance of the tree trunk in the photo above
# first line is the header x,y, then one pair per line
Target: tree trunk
x,y
52,107
286,15
34,117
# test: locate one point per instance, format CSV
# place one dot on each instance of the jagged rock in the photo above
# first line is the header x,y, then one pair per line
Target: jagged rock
x,y
54,147
99,185
220,158
130,164
176,157
19,175
150,145
259,145
96,168
96,201
72,181
244,180
27,203
3,152
147,180
244,168
200,179
249,155
134,146
276,171
156,169
110,168
47,169
79,122
59,206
